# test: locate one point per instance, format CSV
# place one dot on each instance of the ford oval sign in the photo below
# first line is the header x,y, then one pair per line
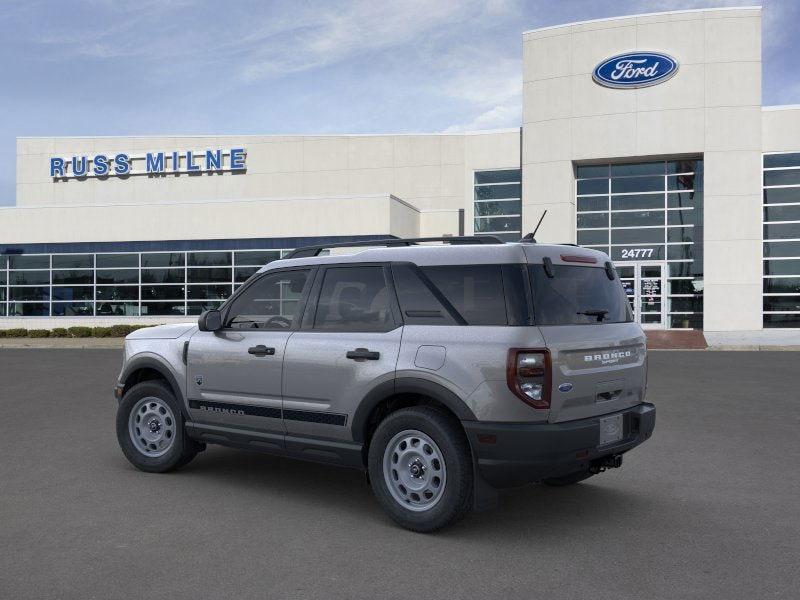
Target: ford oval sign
x,y
635,70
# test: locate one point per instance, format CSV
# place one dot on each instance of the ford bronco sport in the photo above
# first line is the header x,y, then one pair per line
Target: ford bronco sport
x,y
443,371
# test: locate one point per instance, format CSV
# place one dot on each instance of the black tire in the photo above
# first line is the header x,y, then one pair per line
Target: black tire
x,y
447,434
567,479
182,449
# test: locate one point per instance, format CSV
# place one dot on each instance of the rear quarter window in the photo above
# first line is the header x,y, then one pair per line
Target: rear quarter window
x,y
475,291
577,295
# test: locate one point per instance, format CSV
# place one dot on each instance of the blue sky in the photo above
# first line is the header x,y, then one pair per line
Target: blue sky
x,y
105,67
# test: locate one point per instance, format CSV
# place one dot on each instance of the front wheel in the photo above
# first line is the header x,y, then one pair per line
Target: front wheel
x,y
150,429
421,469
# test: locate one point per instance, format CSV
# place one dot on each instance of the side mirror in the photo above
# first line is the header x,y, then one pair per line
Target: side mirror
x,y
210,320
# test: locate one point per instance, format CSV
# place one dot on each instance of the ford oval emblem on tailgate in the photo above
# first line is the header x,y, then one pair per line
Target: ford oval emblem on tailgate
x,y
565,387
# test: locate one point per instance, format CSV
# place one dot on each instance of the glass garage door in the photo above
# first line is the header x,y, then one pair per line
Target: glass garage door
x,y
649,213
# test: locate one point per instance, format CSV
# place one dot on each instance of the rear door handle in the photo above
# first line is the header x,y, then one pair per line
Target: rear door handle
x,y
363,354
261,350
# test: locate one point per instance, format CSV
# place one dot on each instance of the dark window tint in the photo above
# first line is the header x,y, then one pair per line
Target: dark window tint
x,y
782,213
508,175
73,277
418,302
680,182
637,219
593,186
29,262
493,192
782,267
73,261
782,303
787,177
684,166
593,203
680,252
781,249
684,199
162,292
637,236
592,237
270,302
208,292
782,160
113,261
73,292
651,168
29,293
593,220
209,275
637,184
565,298
775,321
163,276
694,321
28,277
209,259
28,309
637,201
782,285
782,231
782,195
118,309
499,208
117,292
354,299
475,291
241,274
681,217
72,309
163,308
585,171
118,276
163,259
256,258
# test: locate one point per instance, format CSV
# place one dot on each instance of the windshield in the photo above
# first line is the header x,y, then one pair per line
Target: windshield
x,y
577,296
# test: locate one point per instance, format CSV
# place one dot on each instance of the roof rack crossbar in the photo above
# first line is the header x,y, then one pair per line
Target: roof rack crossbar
x,y
309,251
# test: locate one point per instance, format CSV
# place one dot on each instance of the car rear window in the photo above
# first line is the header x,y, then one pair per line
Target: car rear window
x,y
577,296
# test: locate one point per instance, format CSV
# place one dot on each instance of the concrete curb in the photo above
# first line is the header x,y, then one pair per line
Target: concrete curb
x,y
62,343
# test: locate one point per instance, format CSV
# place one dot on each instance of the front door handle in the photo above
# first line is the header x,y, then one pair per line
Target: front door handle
x,y
363,354
261,350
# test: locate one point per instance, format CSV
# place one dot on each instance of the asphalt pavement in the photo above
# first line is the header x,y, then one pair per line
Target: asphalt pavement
x,y
708,508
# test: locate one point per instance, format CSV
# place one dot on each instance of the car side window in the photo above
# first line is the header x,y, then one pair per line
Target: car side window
x,y
354,299
271,302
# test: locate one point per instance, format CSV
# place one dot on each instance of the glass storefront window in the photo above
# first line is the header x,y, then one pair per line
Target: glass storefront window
x,y
108,284
498,203
649,212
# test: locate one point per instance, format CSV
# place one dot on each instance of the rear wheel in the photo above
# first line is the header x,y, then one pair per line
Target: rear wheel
x,y
420,468
150,429
568,479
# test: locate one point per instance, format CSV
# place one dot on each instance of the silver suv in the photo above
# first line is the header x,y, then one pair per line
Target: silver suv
x,y
443,371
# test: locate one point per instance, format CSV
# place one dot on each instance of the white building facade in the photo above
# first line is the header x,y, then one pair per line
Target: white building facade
x,y
665,158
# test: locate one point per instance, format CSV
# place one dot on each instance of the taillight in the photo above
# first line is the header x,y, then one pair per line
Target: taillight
x,y
528,376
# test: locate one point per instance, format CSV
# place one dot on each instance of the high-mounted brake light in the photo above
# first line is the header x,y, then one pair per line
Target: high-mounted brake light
x,y
579,259
528,374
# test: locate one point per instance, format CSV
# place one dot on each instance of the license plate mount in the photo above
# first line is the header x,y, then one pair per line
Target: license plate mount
x,y
611,429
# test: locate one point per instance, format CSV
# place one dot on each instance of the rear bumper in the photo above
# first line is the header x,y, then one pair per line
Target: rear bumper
x,y
511,454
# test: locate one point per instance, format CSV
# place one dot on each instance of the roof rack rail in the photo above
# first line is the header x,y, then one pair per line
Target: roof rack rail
x,y
309,251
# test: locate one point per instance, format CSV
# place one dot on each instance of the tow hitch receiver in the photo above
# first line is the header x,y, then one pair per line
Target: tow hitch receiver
x,y
607,462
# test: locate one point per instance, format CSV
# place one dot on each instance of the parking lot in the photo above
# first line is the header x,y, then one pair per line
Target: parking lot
x,y
709,508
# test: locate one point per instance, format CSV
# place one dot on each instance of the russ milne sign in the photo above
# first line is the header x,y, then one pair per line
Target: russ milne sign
x,y
635,70
150,163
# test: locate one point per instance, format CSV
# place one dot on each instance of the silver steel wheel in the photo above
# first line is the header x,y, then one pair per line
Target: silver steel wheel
x,y
414,470
151,426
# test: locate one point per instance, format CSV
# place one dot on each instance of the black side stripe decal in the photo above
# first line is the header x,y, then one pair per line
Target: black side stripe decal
x,y
270,412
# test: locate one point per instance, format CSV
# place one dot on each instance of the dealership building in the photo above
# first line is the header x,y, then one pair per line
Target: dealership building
x,y
643,136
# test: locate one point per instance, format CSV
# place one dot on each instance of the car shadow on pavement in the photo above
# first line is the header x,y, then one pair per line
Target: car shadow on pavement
x,y
595,502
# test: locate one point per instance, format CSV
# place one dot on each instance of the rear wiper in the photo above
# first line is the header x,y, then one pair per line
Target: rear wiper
x,y
594,312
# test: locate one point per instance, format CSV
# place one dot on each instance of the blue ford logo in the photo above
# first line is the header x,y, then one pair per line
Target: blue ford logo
x,y
565,387
635,70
